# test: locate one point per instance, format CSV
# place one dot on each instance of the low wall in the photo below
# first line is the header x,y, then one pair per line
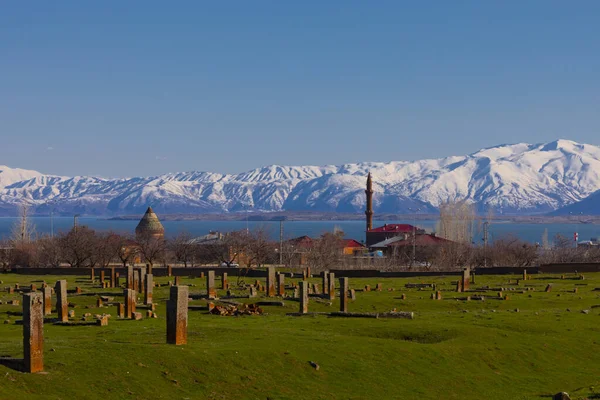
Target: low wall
x,y
558,268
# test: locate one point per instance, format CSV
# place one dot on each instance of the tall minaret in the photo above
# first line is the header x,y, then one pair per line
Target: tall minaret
x,y
369,211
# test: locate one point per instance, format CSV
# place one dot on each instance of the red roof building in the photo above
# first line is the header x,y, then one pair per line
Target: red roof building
x,y
388,231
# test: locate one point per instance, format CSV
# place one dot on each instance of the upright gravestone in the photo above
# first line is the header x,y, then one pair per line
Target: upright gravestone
x,y
61,300
169,271
102,277
303,297
270,281
47,292
117,283
459,286
210,285
224,281
148,286
148,268
177,280
113,278
331,290
466,279
142,272
325,281
33,332
524,274
344,294
281,284
177,315
92,274
129,302
129,283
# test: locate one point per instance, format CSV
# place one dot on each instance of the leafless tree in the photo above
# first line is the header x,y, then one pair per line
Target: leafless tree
x,y
78,246
326,251
50,251
151,247
107,249
183,248
457,221
127,249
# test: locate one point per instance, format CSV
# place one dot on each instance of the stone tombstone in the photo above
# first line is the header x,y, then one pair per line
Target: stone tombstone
x,y
296,292
202,274
61,300
169,271
524,274
117,283
32,287
224,281
438,295
325,281
352,294
252,291
33,332
304,274
129,284
308,274
271,282
303,297
148,288
211,291
459,286
316,289
141,279
47,292
92,274
281,284
466,279
378,287
367,288
177,281
331,291
177,315
129,302
549,287
120,310
113,278
344,294
148,268
99,302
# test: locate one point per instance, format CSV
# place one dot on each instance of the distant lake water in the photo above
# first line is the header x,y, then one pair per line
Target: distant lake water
x,y
352,229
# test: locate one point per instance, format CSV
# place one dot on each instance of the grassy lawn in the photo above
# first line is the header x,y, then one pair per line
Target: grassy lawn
x,y
452,349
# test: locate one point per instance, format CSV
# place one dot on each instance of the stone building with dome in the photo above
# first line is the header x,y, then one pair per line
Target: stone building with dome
x,y
150,225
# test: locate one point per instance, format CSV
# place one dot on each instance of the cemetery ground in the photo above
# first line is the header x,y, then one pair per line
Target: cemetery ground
x,y
452,349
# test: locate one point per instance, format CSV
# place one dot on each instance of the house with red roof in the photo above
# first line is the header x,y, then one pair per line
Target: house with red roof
x,y
388,231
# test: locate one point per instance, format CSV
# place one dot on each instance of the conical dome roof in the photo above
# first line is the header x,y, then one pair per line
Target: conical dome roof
x,y
150,224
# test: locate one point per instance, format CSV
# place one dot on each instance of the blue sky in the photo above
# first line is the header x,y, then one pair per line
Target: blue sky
x,y
123,88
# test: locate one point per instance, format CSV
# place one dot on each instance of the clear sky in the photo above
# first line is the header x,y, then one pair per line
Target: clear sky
x,y
124,88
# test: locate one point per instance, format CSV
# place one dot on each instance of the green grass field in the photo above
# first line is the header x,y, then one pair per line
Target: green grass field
x,y
452,349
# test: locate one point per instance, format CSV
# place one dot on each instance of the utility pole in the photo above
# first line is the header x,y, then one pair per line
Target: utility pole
x,y
52,223
414,236
485,241
281,243
75,222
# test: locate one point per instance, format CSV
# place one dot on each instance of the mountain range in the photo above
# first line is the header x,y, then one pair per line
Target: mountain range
x,y
506,179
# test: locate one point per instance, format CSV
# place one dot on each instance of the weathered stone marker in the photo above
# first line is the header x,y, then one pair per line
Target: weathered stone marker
x,y
352,294
344,294
61,300
142,273
210,285
120,310
331,290
33,332
177,315
113,278
129,302
92,274
101,276
303,297
325,281
224,281
549,287
270,281
524,274
459,286
169,271
281,284
148,269
47,292
177,280
129,283
148,288
466,279
252,291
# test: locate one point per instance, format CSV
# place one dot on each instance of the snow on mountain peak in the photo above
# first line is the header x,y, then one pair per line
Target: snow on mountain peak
x,y
509,178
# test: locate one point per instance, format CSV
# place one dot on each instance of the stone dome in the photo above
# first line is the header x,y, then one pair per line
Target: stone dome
x,y
150,225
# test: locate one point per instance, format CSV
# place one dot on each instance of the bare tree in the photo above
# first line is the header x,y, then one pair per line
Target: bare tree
x,y
107,249
50,251
78,246
183,248
23,230
457,221
152,248
326,251
127,249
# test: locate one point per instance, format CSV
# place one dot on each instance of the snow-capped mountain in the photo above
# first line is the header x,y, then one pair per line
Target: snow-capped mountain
x,y
508,179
